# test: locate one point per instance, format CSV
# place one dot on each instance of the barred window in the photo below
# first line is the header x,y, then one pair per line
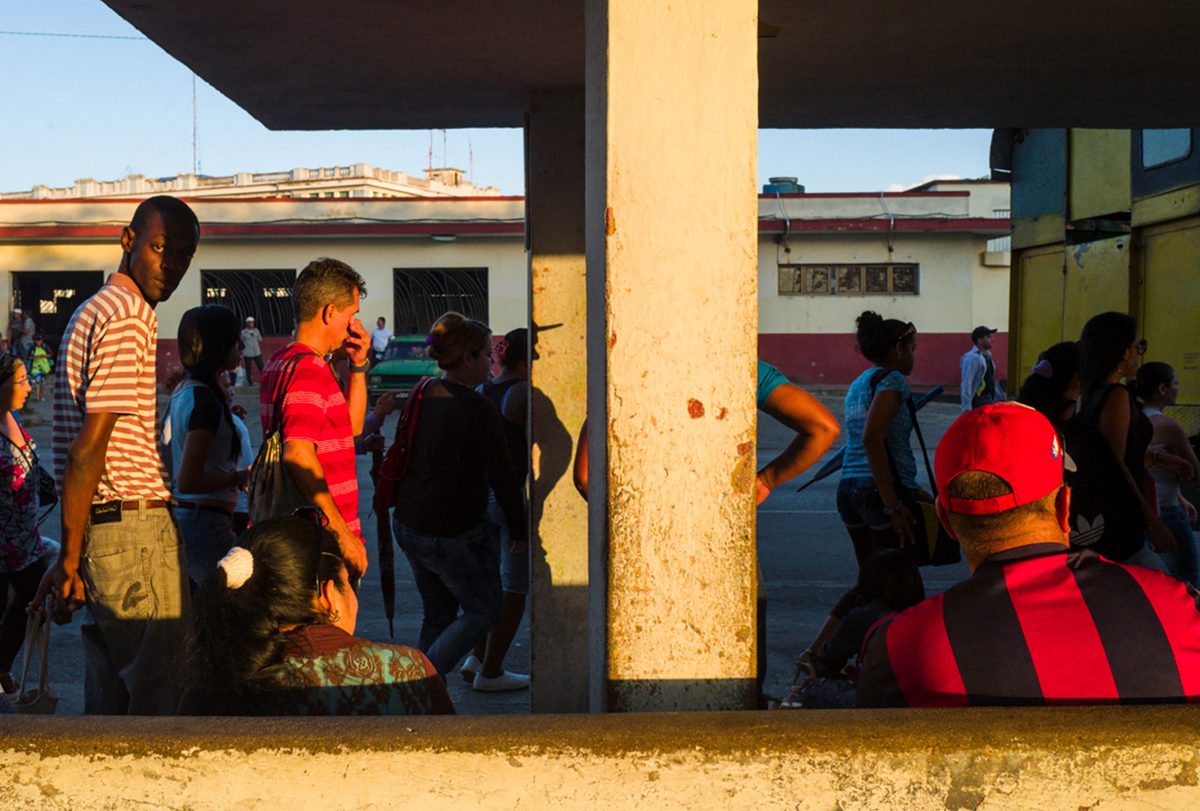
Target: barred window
x,y
265,295
888,279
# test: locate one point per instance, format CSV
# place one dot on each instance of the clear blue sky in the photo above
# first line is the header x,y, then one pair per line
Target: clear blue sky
x,y
71,108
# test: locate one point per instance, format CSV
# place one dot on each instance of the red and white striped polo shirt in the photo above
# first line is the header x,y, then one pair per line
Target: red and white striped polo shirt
x,y
314,410
107,365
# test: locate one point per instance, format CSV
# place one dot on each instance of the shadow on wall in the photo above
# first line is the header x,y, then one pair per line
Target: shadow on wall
x,y
563,607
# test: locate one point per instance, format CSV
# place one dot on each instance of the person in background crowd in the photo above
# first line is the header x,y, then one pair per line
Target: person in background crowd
x,y
251,350
509,392
21,549
23,331
879,471
274,635
319,422
1158,388
888,582
241,510
204,443
380,336
441,504
16,327
1053,386
877,495
121,553
1111,349
1038,622
978,385
39,365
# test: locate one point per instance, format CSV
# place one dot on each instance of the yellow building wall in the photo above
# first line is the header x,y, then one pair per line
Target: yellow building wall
x,y
956,291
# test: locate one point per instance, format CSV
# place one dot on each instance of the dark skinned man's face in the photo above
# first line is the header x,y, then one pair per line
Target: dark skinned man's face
x,y
159,256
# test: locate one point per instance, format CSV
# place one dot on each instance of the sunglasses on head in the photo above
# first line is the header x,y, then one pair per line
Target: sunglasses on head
x,y
320,519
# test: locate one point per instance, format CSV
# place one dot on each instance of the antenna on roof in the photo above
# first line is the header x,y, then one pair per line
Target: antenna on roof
x,y
195,150
470,161
430,150
444,161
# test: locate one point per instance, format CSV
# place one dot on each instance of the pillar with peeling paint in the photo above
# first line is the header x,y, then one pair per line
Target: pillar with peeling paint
x,y
672,112
558,376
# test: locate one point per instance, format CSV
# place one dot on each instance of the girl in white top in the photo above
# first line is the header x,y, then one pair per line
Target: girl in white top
x,y
1171,460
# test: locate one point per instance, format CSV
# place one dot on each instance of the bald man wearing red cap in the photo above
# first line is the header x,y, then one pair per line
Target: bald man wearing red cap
x,y
1037,622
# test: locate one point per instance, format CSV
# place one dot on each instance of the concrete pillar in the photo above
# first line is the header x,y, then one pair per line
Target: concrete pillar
x,y
558,375
672,113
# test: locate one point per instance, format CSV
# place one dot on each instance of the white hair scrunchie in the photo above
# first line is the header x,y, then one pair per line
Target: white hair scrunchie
x,y
238,564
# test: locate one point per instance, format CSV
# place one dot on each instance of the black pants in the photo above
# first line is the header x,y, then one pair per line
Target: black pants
x,y
16,590
257,361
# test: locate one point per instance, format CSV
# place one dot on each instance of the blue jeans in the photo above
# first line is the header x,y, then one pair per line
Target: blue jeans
x,y
453,573
207,536
859,504
1180,561
514,569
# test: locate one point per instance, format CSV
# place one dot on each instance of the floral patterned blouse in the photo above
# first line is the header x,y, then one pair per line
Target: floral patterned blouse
x,y
326,671
20,543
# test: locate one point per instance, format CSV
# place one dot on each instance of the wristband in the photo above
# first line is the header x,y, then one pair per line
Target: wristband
x,y
895,508
359,369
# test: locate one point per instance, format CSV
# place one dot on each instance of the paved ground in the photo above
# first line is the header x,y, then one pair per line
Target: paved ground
x,y
806,558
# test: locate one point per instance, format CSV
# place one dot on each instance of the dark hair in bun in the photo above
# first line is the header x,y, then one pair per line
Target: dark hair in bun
x,y
876,335
452,335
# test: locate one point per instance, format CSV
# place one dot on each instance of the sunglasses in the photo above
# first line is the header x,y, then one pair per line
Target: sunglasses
x,y
320,519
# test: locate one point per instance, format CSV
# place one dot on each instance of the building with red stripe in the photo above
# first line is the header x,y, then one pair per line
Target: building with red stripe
x,y
934,255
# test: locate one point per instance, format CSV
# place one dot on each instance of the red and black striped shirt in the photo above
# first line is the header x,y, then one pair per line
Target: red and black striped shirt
x,y
1040,625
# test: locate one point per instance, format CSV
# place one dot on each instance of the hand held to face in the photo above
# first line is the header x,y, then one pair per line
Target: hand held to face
x,y
357,342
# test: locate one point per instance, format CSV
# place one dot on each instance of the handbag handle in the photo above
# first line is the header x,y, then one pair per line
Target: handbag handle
x,y
37,635
281,388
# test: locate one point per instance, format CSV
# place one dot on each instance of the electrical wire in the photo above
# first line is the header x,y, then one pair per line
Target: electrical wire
x,y
71,36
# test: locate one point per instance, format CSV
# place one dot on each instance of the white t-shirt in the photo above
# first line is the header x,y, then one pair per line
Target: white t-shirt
x,y
380,338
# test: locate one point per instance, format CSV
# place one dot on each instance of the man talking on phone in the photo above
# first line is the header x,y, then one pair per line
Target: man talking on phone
x,y
318,420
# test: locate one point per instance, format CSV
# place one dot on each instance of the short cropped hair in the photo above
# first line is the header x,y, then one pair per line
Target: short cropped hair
x,y
167,207
325,281
975,484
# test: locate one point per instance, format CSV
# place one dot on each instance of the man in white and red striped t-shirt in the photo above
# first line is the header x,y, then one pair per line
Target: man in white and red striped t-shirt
x,y
319,422
121,553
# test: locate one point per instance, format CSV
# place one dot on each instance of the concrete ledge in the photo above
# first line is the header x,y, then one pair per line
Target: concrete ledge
x,y
981,758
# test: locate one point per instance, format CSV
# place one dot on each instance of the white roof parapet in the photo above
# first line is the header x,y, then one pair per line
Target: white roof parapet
x,y
359,179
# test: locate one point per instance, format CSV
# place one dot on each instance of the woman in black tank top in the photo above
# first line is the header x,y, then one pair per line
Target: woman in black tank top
x,y
1111,349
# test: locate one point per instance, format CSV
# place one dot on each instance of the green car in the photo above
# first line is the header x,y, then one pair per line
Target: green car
x,y
404,363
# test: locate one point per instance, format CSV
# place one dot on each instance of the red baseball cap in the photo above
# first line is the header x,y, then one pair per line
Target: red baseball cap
x,y
1008,440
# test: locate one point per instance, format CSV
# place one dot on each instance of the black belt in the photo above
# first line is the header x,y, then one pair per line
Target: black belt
x,y
208,508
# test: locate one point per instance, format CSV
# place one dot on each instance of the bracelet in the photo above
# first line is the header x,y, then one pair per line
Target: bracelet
x,y
895,508
360,369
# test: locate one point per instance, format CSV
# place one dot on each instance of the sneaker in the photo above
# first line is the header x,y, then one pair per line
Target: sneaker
x,y
470,667
504,682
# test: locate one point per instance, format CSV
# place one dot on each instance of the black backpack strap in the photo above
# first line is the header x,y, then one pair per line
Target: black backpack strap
x,y
912,413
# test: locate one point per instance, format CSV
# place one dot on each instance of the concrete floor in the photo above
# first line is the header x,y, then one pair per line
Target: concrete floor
x,y
805,554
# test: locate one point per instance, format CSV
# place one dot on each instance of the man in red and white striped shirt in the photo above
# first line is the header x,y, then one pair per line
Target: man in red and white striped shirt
x,y
121,553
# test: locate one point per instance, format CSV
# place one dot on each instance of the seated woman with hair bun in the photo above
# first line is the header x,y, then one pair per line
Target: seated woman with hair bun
x,y
273,635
